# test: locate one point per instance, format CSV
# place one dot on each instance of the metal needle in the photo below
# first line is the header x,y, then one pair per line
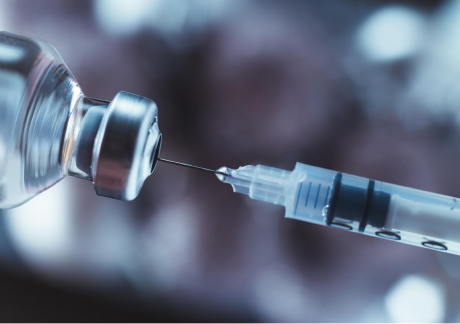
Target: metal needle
x,y
192,166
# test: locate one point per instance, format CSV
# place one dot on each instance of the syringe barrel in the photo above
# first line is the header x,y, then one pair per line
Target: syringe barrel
x,y
374,208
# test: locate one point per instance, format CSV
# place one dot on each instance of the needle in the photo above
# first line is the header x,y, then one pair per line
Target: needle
x,y
192,166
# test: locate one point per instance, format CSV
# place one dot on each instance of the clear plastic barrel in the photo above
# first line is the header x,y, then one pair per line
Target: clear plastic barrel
x,y
375,208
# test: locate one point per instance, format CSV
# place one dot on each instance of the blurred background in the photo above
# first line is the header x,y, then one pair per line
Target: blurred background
x,y
370,88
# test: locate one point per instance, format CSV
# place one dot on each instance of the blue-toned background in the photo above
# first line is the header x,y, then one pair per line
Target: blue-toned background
x,y
370,88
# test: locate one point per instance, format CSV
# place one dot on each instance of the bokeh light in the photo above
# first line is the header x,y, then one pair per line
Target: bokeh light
x,y
391,33
415,299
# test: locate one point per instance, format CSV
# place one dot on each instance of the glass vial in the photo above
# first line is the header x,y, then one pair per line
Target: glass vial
x,y
49,129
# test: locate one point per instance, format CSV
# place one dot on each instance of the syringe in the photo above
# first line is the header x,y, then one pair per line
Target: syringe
x,y
353,203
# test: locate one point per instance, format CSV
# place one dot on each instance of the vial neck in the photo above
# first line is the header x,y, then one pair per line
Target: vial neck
x,y
83,125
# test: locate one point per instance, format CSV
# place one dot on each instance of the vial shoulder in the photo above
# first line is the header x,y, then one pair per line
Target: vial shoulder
x,y
37,95
21,55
